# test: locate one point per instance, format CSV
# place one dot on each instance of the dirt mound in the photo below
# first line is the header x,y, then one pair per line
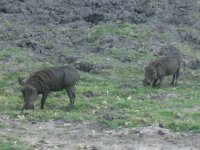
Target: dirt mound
x,y
47,27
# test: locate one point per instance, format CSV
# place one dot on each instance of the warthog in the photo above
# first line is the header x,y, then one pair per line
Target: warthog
x,y
158,69
47,80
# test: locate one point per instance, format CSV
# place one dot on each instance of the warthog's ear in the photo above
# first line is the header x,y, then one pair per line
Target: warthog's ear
x,y
153,63
21,81
157,65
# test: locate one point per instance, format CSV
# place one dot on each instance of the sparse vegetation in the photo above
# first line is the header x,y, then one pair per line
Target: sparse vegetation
x,y
131,31
35,35
121,96
11,144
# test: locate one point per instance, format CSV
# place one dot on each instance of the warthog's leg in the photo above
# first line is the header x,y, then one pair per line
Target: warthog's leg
x,y
161,82
174,76
155,83
177,75
44,97
72,97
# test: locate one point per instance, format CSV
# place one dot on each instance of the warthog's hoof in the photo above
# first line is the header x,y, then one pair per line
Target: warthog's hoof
x,y
69,108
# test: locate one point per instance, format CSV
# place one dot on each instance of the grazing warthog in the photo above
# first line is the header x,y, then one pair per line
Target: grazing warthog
x,y
158,69
47,80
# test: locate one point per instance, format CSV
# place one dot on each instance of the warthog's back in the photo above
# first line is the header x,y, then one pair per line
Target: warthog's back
x,y
171,63
55,79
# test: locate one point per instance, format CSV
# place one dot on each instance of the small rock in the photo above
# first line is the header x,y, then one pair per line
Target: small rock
x,y
80,146
89,94
137,131
43,142
68,124
21,117
94,148
170,138
56,147
86,147
161,125
193,64
37,145
108,117
34,122
109,131
178,115
84,66
160,132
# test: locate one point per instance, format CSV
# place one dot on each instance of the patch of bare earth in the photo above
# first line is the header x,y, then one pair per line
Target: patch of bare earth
x,y
61,135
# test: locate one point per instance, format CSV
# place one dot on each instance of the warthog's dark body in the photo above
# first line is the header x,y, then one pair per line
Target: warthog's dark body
x,y
47,80
158,69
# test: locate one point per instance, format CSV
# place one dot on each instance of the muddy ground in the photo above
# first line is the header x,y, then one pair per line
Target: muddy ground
x,y
61,135
49,27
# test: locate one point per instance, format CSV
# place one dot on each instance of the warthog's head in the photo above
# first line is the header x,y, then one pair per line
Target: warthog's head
x,y
29,94
150,75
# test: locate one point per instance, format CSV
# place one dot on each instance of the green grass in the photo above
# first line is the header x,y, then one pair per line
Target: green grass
x,y
131,31
190,50
121,94
7,143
